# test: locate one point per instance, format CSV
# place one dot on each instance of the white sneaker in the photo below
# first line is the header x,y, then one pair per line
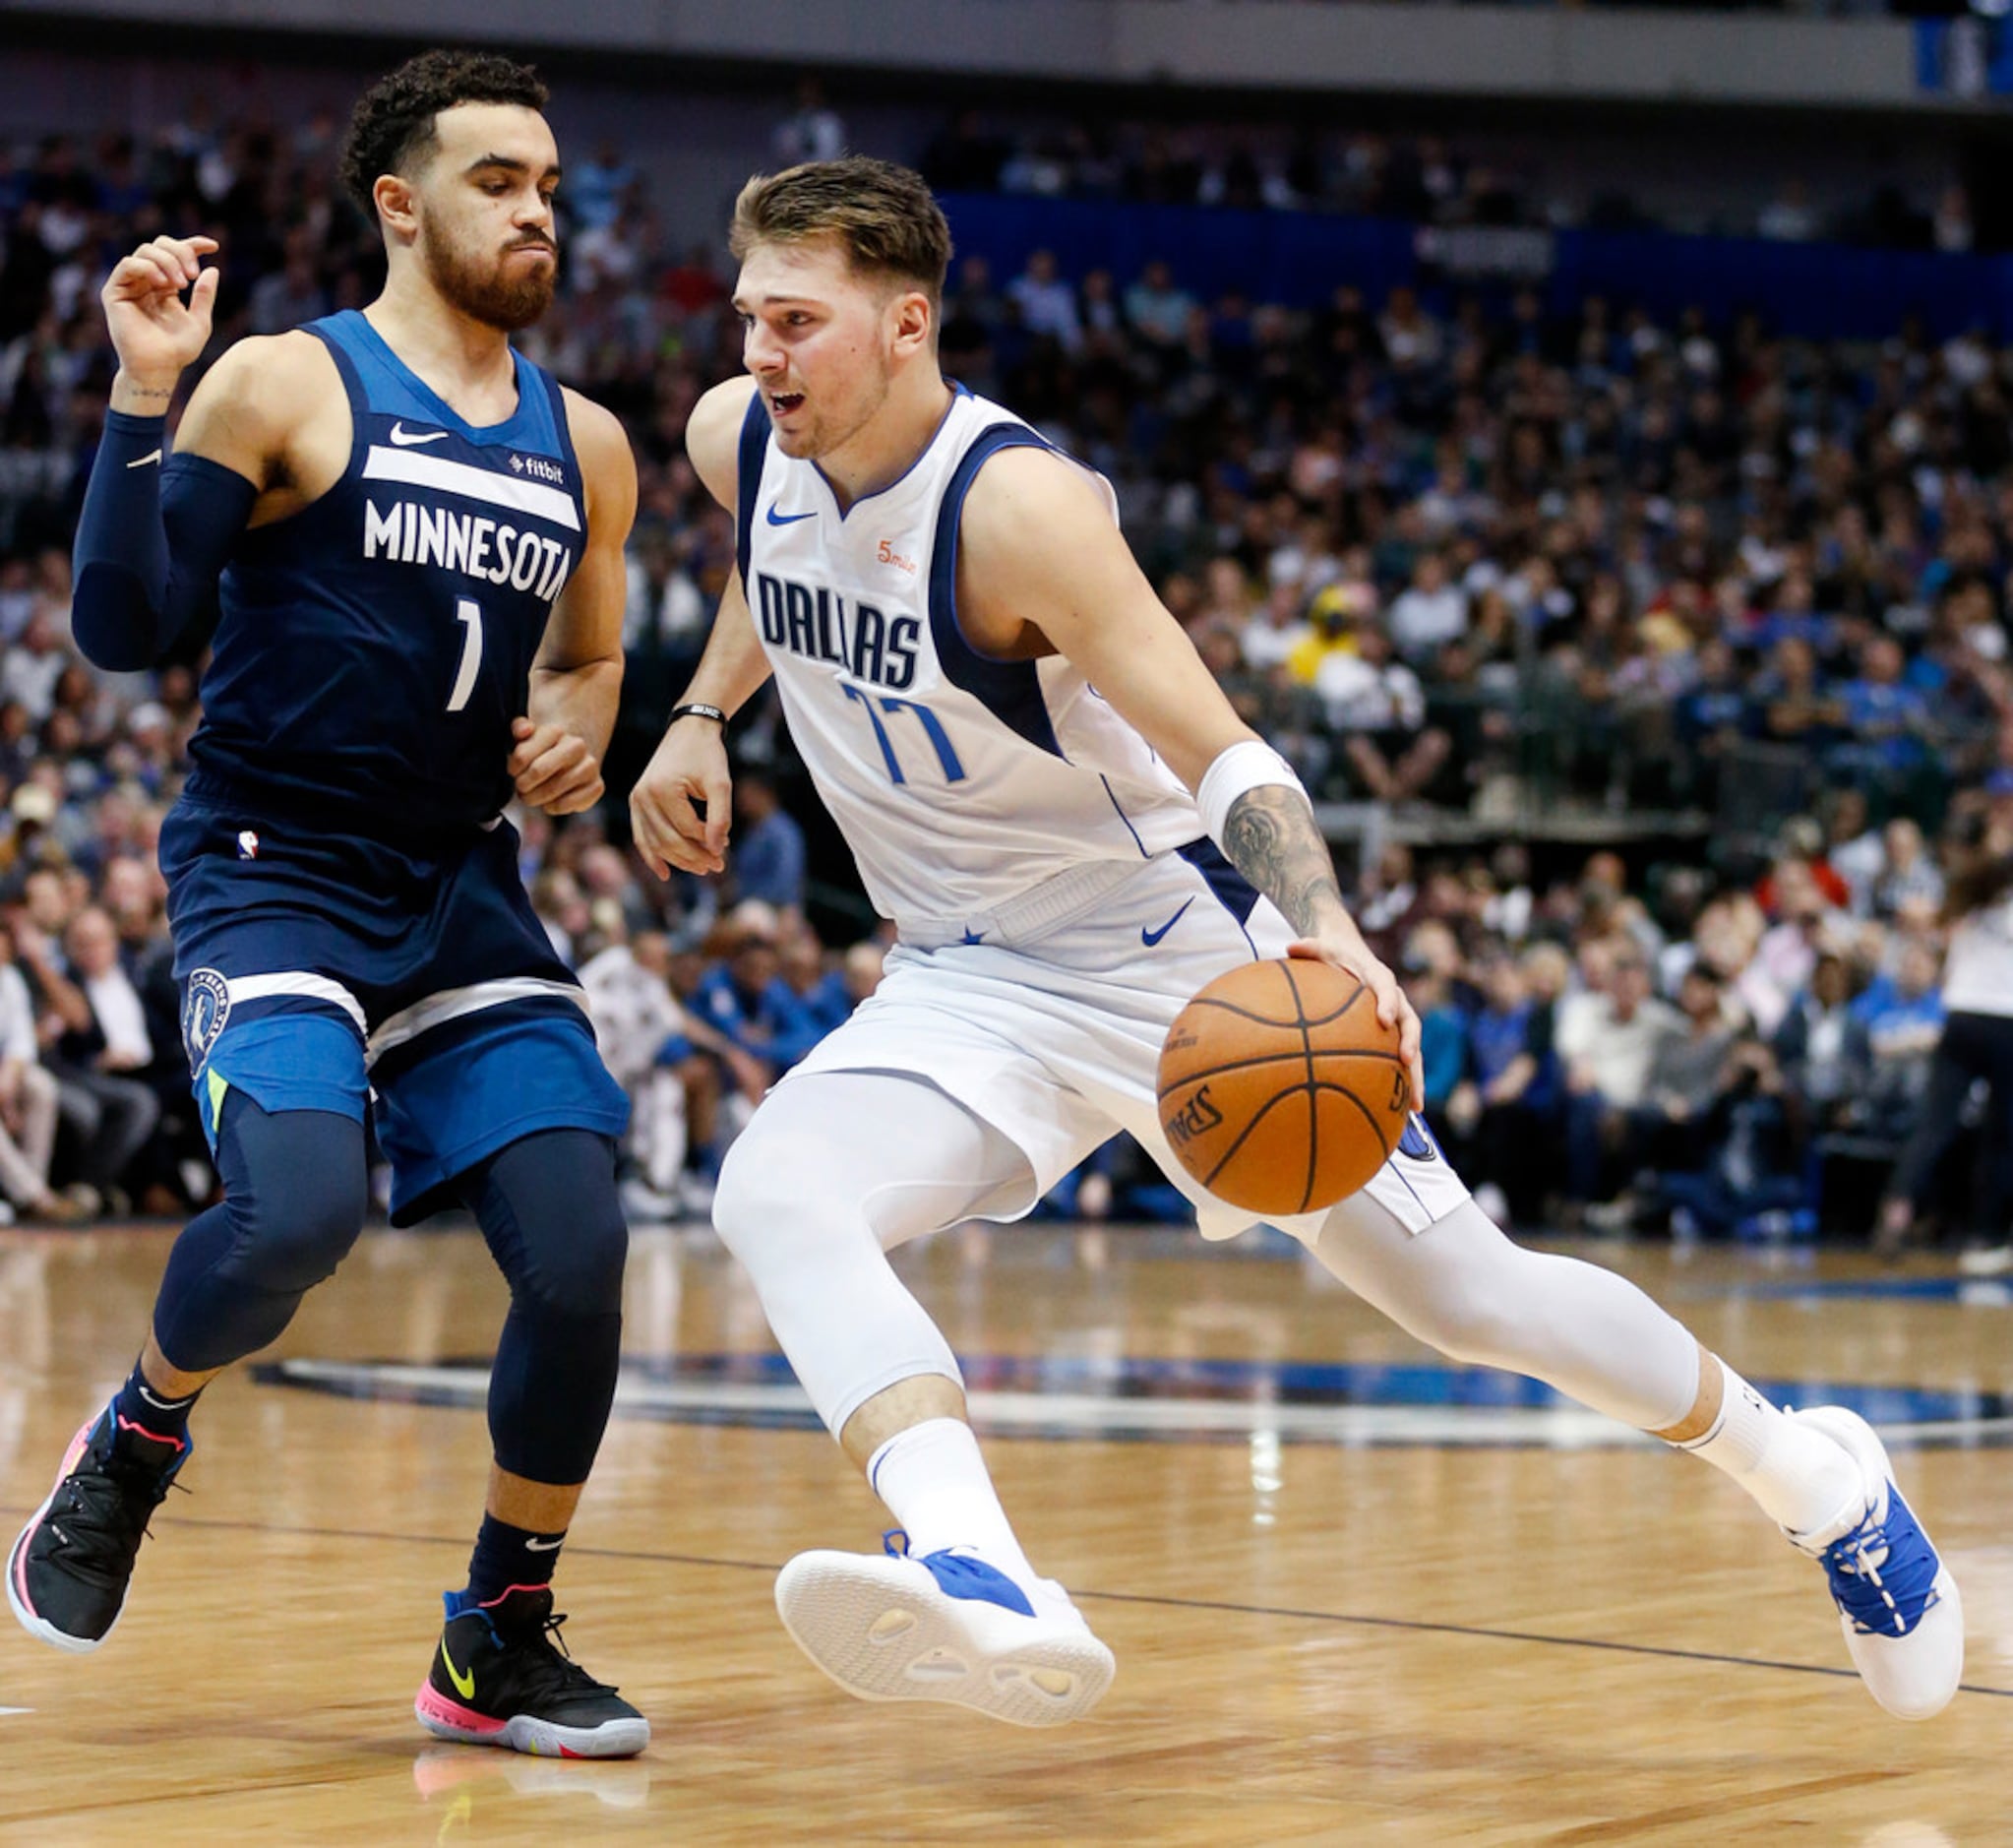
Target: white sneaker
x,y
946,1627
1897,1602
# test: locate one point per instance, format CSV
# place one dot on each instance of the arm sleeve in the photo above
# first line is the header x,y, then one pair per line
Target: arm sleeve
x,y
151,543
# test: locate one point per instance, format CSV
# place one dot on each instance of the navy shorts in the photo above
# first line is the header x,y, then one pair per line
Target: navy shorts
x,y
323,971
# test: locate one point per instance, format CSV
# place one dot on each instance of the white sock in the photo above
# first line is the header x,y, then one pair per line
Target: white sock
x,y
934,1484
1804,1480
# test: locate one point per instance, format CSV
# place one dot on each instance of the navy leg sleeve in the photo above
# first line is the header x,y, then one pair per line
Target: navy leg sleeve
x,y
547,1206
295,1193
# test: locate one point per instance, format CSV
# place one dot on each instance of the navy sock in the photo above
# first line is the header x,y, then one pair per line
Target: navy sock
x,y
138,1404
506,1556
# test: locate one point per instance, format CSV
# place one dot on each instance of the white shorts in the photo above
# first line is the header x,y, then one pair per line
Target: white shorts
x,y
1049,1025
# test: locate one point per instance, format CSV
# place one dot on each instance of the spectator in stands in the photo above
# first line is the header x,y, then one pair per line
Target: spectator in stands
x,y
1046,303
1688,1073
1378,708
769,844
1607,1043
100,1044
1157,309
28,1105
813,130
1825,1056
743,995
1430,612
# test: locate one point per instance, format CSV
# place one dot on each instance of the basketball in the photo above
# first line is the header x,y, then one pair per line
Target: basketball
x,y
1279,1088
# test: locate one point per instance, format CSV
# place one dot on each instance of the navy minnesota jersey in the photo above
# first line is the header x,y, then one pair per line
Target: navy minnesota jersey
x,y
373,649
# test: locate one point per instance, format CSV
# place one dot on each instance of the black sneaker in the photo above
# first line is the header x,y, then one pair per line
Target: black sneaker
x,y
501,1677
67,1575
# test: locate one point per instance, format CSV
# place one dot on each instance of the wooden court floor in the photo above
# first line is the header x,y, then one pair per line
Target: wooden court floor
x,y
1356,1596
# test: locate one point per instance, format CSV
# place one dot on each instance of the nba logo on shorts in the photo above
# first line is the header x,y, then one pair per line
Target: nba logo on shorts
x,y
204,1014
248,844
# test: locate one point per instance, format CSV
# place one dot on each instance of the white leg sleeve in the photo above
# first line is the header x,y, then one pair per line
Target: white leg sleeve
x,y
835,1169
1461,1286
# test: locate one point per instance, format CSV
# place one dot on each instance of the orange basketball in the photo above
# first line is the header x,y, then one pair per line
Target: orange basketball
x,y
1279,1090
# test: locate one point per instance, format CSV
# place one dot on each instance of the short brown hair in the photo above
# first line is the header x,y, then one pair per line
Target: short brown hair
x,y
393,119
884,216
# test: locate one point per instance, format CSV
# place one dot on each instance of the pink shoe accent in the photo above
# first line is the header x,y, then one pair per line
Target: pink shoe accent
x,y
18,1565
78,1444
152,1437
490,1604
433,1705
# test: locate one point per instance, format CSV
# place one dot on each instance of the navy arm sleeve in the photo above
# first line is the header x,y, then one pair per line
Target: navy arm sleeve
x,y
152,543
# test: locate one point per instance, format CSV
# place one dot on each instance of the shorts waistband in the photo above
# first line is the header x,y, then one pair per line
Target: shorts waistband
x,y
1056,901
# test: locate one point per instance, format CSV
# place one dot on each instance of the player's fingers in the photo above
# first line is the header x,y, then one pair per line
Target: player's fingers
x,y
541,743
573,797
203,297
718,797
553,762
146,272
184,252
522,727
644,831
669,830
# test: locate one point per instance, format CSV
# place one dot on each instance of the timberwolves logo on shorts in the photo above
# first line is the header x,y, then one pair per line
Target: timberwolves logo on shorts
x,y
204,1014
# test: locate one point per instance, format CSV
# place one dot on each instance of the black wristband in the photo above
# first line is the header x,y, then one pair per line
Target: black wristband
x,y
695,711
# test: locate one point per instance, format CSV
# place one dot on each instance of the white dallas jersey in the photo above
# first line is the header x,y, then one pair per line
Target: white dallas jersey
x,y
959,781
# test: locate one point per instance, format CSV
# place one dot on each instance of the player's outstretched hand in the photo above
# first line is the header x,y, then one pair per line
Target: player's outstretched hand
x,y
155,331
554,770
682,802
1350,954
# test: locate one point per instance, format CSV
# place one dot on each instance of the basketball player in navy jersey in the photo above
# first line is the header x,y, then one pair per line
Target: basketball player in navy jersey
x,y
415,538
1072,833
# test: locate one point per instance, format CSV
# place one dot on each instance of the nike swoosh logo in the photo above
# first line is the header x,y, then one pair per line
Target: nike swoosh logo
x,y
143,461
788,519
409,439
1150,938
465,1684
544,1546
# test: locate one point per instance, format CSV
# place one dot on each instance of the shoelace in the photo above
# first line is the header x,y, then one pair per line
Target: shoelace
x,y
113,1504
1884,1581
549,1664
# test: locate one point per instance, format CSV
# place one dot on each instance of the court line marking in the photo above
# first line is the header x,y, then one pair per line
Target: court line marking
x,y
1540,1421
5,1712
1152,1600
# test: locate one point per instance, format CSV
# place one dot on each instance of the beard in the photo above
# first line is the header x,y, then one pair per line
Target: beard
x,y
477,285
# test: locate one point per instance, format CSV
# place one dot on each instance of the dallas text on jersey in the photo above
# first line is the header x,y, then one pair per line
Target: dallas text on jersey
x,y
868,644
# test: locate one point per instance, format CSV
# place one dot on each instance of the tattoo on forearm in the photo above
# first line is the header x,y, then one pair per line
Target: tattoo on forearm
x,y
1271,838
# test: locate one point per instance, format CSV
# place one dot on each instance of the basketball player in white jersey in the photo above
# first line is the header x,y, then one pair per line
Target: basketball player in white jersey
x,y
1072,833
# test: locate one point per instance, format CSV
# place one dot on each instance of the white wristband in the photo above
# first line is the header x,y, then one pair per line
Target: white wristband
x,y
1234,772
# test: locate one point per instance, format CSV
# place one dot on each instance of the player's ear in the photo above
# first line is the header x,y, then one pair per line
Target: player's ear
x,y
398,205
914,321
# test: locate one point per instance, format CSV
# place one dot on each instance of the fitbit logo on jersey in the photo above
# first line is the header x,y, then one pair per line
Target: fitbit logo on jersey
x,y
538,465
868,644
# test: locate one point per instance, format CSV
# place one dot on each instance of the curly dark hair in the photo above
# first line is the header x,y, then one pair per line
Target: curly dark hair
x,y
393,119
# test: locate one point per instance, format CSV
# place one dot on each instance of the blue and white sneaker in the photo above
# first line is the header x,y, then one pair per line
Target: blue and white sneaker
x,y
1897,1602
946,1627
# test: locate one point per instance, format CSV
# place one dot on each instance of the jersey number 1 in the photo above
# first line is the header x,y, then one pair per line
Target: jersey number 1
x,y
467,611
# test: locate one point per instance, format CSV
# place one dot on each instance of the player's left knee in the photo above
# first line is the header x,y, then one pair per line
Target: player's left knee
x,y
559,1190
584,1277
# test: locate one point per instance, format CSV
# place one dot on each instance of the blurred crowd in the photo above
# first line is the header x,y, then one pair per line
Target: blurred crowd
x,y
1430,180
1453,554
